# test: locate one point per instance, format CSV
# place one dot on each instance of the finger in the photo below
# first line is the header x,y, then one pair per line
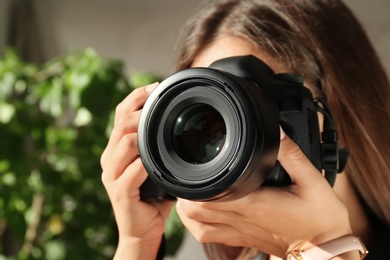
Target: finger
x,y
263,198
130,183
126,118
122,156
295,162
126,187
134,101
198,211
206,232
121,129
132,179
210,232
212,213
133,176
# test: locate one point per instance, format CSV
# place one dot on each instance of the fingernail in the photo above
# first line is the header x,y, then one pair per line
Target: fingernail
x,y
282,133
151,87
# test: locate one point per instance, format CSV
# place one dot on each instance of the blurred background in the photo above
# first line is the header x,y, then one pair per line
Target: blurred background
x,y
141,33
64,65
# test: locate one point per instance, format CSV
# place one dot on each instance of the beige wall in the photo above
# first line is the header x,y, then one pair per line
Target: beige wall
x,y
375,17
140,32
143,32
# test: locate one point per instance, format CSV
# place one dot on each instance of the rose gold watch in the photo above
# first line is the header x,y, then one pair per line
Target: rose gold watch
x,y
330,249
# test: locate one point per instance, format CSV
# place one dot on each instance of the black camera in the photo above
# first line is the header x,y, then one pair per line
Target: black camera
x,y
213,133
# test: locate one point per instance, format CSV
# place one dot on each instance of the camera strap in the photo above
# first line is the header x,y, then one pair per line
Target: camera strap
x,y
161,249
333,158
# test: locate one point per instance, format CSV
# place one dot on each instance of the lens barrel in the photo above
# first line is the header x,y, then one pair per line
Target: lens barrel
x,y
206,134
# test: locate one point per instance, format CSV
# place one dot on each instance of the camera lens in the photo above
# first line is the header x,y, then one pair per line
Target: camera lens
x,y
199,134
205,134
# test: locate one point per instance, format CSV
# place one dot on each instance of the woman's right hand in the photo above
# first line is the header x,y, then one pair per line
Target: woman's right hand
x,y
140,224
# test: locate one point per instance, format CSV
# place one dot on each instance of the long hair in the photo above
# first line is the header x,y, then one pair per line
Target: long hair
x,y
323,41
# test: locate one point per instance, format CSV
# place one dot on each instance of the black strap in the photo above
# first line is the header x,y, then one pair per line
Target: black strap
x,y
333,158
161,249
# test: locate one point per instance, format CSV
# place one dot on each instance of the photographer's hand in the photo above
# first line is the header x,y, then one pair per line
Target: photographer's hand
x,y
271,219
140,224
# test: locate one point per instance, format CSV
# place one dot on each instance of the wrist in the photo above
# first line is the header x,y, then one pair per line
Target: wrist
x,y
320,239
136,248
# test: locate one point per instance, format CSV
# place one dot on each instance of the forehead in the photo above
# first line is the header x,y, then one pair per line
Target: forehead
x,y
224,47
227,46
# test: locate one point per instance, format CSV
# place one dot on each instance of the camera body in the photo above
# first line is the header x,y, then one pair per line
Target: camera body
x,y
214,133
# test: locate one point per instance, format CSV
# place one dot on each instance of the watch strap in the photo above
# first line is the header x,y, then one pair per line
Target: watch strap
x,y
334,248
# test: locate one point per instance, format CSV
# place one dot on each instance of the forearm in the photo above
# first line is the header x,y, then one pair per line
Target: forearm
x,y
136,249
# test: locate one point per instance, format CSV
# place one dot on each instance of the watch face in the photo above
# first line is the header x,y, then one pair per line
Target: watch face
x,y
294,255
291,257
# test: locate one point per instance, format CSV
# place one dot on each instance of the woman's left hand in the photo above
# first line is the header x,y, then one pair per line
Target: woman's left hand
x,y
273,220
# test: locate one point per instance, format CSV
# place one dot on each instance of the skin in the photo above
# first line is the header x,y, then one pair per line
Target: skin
x,y
308,212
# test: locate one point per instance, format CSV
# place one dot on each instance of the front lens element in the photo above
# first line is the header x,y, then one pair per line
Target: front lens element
x,y
198,134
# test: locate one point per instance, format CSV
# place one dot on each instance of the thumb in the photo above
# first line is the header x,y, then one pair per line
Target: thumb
x,y
295,162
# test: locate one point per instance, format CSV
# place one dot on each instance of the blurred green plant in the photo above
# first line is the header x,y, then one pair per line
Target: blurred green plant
x,y
55,121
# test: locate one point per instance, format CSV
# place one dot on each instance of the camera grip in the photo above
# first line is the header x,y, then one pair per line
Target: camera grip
x,y
150,192
299,121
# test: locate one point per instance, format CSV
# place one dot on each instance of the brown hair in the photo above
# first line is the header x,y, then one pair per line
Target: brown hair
x,y
323,41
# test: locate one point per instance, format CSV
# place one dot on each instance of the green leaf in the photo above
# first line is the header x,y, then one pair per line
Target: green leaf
x,y
35,182
7,111
55,250
52,96
140,79
7,82
83,117
9,179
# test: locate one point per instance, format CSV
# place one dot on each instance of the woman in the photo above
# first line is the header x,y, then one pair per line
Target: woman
x,y
322,41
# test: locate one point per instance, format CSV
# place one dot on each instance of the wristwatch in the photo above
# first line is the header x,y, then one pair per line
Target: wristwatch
x,y
330,249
